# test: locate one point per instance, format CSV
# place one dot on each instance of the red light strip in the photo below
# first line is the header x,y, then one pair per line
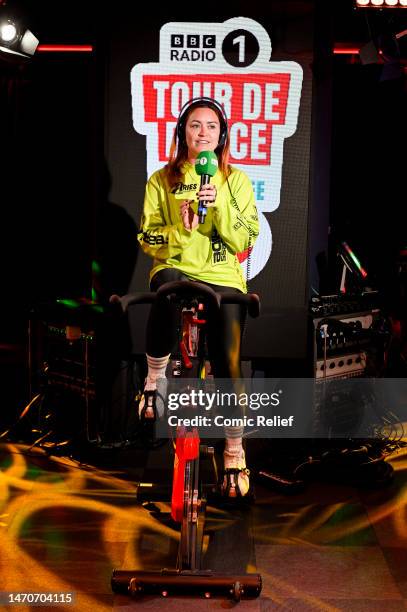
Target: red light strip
x,y
346,50
66,48
341,49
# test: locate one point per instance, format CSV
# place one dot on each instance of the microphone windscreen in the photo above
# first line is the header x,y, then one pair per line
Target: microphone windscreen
x,y
206,163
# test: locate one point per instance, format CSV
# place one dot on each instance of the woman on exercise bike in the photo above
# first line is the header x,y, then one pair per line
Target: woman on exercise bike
x,y
184,249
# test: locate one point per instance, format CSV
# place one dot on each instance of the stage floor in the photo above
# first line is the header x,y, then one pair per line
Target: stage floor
x,y
65,525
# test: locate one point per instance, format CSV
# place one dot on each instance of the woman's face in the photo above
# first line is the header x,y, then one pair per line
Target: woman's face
x,y
202,131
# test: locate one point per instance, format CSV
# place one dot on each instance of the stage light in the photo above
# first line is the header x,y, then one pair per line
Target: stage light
x,y
381,4
8,32
16,39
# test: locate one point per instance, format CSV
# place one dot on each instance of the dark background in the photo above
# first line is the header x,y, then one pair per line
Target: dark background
x,y
283,282
74,168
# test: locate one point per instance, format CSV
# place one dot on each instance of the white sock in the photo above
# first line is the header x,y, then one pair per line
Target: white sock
x,y
233,446
234,458
156,370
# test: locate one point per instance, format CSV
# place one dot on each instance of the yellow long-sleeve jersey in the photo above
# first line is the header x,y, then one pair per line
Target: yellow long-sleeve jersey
x,y
207,253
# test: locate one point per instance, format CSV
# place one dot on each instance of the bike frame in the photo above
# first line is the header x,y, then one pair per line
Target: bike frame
x,y
187,503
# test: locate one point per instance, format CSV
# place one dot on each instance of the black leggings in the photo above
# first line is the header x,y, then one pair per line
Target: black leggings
x,y
224,329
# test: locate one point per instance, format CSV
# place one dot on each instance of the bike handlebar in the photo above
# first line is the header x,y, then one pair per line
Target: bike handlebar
x,y
188,289
250,300
191,289
132,298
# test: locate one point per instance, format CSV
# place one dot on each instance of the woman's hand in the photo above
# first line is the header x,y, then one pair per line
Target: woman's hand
x,y
189,218
207,194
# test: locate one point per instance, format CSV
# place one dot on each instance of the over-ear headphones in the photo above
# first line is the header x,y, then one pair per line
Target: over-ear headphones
x,y
196,103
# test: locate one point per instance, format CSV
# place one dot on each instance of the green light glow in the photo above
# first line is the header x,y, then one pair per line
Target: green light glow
x,y
97,308
354,259
95,267
69,303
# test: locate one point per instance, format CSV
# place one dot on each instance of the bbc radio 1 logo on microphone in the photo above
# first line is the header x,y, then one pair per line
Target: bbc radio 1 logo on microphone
x,y
193,47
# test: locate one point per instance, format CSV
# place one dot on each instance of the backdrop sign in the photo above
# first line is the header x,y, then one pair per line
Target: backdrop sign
x,y
230,62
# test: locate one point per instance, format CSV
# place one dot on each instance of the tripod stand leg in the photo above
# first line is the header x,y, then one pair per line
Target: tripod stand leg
x,y
41,439
34,400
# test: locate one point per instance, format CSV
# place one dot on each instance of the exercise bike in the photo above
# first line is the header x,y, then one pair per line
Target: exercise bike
x,y
188,501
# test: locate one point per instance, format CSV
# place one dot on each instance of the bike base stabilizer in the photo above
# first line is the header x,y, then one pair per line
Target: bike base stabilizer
x,y
174,583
